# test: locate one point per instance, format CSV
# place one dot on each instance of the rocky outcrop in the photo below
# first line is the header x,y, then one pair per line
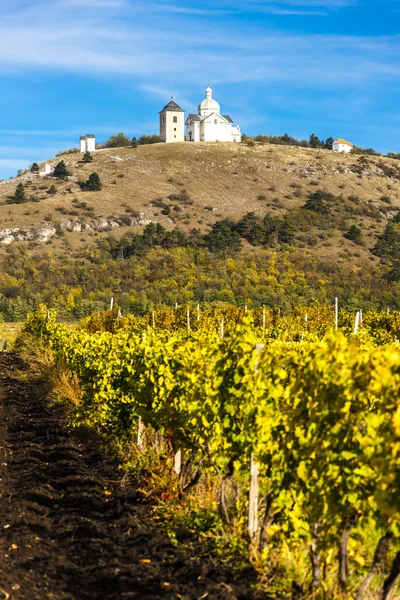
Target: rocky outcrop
x,y
43,234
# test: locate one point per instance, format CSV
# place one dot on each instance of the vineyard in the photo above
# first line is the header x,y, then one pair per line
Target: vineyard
x,y
296,417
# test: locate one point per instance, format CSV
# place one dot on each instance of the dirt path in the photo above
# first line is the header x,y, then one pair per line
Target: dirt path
x,y
69,530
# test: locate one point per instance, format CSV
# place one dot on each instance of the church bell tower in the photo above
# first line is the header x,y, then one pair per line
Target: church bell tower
x,y
172,123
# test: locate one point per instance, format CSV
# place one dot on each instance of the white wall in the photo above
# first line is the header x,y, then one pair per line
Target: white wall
x,y
169,131
91,144
336,147
216,132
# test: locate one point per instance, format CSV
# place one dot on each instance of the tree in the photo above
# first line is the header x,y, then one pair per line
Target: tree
x,y
285,232
19,196
388,243
35,168
87,157
354,234
118,141
61,171
314,141
316,202
92,184
329,143
52,190
393,276
135,143
223,237
251,228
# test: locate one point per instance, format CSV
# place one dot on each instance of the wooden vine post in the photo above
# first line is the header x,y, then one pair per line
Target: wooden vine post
x,y
254,485
253,499
198,312
222,330
112,303
356,323
263,318
178,462
188,318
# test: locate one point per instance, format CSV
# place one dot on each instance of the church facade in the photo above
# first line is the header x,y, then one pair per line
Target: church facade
x,y
208,125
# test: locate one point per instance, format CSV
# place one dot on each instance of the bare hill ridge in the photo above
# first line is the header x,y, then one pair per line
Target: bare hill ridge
x,y
194,185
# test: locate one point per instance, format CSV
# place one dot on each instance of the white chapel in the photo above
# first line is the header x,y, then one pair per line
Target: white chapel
x,y
208,125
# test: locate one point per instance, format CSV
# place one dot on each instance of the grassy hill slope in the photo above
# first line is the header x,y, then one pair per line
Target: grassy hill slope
x,y
187,186
220,180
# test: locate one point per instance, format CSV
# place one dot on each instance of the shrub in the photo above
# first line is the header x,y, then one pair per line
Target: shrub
x,y
52,190
117,141
87,157
354,234
35,168
148,139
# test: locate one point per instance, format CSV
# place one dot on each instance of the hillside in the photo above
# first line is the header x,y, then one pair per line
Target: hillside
x,y
221,180
75,249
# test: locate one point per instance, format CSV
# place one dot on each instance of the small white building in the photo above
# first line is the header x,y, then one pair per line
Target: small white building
x,y
209,125
172,123
341,145
88,143
46,171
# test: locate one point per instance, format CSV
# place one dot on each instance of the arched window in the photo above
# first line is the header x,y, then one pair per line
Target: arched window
x,y
175,119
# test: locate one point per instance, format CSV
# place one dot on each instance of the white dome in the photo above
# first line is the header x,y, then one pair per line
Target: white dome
x,y
208,104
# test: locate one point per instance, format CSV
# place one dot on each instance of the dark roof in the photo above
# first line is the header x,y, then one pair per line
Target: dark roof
x,y
194,117
90,135
227,117
173,107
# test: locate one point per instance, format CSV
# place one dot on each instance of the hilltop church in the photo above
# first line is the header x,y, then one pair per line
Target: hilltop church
x,y
208,125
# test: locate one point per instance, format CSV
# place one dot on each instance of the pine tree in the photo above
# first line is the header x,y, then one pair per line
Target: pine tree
x,y
93,184
35,168
314,141
61,170
19,196
388,243
87,157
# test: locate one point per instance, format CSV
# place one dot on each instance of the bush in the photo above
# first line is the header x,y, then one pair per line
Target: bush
x,y
354,234
52,190
35,168
118,141
148,139
87,157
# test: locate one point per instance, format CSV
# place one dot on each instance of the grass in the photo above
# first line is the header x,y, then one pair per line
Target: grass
x,y
228,177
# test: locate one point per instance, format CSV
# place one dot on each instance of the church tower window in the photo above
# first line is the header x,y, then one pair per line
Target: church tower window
x,y
175,119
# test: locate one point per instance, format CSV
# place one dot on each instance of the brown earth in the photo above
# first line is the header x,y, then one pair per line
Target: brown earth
x,y
72,527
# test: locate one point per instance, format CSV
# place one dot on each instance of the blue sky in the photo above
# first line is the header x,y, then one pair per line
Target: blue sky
x,y
69,67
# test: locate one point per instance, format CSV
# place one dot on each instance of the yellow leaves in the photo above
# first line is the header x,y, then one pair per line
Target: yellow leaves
x,y
302,471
